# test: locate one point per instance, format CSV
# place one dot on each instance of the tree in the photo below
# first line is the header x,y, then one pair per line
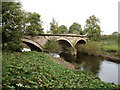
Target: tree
x,y
54,27
63,29
12,28
92,28
52,46
33,24
75,28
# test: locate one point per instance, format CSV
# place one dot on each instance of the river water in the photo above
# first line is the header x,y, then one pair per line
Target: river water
x,y
106,70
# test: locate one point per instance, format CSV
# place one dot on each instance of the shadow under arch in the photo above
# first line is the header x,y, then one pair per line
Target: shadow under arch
x,y
64,41
65,44
33,45
80,42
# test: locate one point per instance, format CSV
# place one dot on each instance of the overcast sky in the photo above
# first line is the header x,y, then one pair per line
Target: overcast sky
x,y
68,11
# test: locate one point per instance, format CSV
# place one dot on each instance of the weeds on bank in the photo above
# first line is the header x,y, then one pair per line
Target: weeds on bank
x,y
90,48
37,70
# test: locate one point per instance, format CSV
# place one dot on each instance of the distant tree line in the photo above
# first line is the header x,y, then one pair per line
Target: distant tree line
x,y
92,28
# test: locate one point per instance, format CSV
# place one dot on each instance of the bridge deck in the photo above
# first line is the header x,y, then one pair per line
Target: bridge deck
x,y
61,35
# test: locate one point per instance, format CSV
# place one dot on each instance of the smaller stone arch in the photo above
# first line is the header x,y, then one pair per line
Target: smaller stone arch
x,y
33,45
81,41
64,39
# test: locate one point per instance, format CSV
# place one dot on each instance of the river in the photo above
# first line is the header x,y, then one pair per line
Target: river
x,y
106,70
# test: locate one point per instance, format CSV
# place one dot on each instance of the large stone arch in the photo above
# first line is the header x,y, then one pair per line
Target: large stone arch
x,y
33,45
66,40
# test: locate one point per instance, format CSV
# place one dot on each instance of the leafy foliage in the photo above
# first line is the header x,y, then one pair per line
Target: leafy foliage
x,y
37,70
92,28
12,28
16,23
54,27
52,46
75,28
63,29
33,24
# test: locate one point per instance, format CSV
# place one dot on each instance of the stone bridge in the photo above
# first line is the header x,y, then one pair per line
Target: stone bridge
x,y
37,42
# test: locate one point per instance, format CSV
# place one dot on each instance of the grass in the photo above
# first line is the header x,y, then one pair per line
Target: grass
x,y
37,70
109,45
110,48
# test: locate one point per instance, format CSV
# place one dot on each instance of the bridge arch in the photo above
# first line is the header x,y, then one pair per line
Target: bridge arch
x,y
80,41
33,45
65,40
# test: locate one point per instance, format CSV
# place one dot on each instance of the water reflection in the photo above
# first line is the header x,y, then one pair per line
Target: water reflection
x,y
68,57
106,70
88,63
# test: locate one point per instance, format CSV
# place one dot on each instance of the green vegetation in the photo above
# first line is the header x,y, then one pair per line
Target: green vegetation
x,y
109,45
37,70
54,28
63,29
52,46
76,28
90,48
16,23
12,19
33,24
92,28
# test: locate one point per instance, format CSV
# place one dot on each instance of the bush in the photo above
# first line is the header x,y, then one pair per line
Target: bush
x,y
90,48
12,46
52,46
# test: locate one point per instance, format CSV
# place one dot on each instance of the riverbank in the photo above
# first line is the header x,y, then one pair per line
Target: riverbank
x,y
111,58
37,70
107,47
64,63
110,47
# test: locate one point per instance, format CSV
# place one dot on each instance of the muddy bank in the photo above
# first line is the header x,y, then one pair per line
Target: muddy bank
x,y
62,62
112,58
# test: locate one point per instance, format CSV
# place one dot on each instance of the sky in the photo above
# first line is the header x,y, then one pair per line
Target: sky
x,y
66,12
